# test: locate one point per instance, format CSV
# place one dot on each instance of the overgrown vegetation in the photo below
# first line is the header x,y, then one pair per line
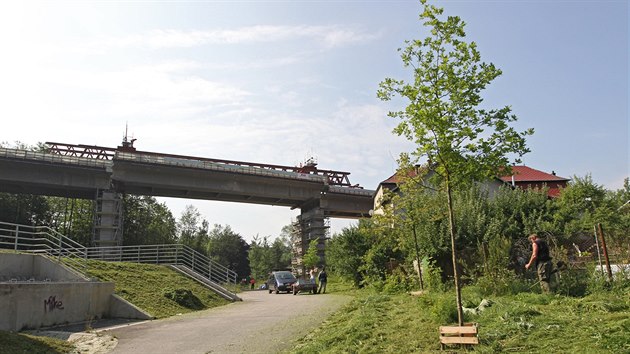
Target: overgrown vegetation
x,y
492,237
380,322
158,290
587,313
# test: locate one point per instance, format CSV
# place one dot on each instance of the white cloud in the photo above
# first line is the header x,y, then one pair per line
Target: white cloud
x,y
329,36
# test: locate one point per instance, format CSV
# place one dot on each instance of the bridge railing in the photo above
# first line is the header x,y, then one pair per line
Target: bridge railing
x,y
43,240
176,254
215,165
51,158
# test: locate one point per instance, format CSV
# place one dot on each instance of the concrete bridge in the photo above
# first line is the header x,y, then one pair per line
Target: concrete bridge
x,y
103,174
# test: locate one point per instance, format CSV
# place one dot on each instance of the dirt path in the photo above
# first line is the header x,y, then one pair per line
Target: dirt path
x,y
262,322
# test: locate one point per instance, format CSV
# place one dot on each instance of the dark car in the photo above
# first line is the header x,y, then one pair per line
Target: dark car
x,y
304,286
281,281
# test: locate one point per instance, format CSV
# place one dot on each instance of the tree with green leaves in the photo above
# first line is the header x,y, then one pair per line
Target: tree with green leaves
x,y
230,249
260,258
461,142
147,222
311,258
346,250
192,229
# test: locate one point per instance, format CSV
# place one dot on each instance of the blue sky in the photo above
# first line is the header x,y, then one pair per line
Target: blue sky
x,y
280,81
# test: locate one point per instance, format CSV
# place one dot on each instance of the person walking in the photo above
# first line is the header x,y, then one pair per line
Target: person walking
x,y
323,278
541,259
252,283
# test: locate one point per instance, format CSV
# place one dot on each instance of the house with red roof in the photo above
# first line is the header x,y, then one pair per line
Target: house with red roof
x,y
522,177
529,178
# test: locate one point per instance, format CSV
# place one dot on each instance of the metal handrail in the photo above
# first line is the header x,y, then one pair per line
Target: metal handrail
x,y
44,240
176,254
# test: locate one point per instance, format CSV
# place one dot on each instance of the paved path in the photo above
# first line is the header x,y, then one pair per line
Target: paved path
x,y
261,323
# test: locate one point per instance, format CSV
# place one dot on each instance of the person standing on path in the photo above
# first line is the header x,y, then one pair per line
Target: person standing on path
x,y
542,260
252,282
323,278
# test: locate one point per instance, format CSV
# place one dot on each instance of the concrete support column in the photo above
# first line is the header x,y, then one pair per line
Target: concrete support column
x,y
310,225
107,219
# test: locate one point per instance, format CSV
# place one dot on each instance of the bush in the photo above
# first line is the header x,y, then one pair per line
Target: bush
x,y
185,298
574,282
507,283
398,282
444,309
598,282
432,276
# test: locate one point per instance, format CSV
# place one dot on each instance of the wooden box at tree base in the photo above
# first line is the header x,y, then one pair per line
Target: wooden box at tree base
x,y
466,334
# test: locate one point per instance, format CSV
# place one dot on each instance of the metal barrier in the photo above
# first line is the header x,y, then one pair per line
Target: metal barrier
x,y
50,158
176,254
44,240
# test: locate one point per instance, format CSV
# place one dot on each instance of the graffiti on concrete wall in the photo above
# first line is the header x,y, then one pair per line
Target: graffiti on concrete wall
x,y
51,304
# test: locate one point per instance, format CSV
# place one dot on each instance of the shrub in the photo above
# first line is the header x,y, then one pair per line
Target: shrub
x,y
504,283
398,282
184,297
444,309
432,276
574,282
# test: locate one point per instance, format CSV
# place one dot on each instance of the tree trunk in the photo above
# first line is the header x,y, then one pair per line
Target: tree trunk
x,y
451,221
415,239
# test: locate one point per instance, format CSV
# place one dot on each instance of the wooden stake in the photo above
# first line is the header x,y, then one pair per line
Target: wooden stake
x,y
605,251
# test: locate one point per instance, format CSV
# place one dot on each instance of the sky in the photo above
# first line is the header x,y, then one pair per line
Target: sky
x,y
278,82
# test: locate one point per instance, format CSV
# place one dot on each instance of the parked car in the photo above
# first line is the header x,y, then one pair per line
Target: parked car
x,y
304,286
281,281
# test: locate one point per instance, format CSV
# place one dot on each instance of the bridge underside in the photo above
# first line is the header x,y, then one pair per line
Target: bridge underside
x,y
190,183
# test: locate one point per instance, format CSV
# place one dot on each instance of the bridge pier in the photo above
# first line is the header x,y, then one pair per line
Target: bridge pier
x,y
108,219
310,225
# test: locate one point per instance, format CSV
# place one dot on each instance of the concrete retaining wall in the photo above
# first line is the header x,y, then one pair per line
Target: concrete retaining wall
x,y
21,266
37,304
63,298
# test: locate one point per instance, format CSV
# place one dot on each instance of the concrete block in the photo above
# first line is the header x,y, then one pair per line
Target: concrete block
x,y
121,308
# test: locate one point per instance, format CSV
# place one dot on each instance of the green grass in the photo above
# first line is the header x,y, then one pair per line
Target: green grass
x,y
158,290
525,323
17,343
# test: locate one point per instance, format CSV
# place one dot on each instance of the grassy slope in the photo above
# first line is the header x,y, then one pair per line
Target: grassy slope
x,y
529,323
16,343
146,285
